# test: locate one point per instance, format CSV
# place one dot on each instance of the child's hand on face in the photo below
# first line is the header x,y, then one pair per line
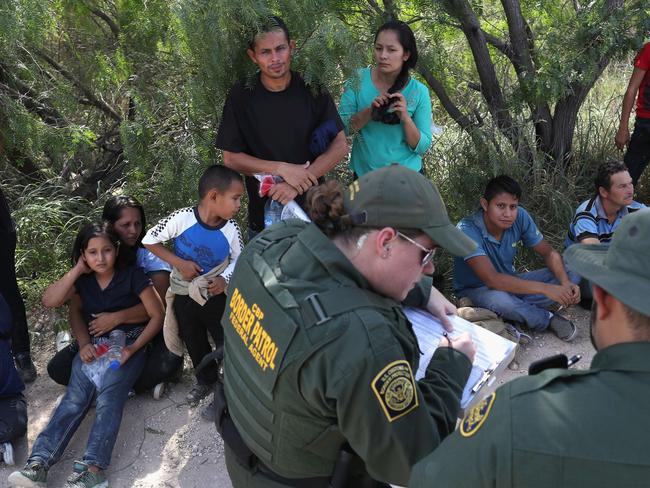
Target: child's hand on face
x,y
217,286
82,266
189,270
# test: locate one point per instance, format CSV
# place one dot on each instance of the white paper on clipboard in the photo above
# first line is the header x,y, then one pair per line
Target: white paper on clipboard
x,y
492,351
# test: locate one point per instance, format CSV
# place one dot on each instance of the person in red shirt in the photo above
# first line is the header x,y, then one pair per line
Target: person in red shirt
x,y
638,146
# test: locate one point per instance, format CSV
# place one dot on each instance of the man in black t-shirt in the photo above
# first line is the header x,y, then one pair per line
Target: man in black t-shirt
x,y
276,125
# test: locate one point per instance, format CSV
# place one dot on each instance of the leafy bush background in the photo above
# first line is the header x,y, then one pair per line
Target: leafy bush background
x,y
91,106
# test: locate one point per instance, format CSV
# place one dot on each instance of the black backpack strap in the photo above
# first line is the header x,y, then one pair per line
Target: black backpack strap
x,y
318,308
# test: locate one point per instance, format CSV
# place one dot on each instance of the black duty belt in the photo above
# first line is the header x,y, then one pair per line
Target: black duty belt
x,y
248,460
251,462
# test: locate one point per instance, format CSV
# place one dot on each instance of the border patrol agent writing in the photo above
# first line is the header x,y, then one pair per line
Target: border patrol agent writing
x,y
565,428
318,353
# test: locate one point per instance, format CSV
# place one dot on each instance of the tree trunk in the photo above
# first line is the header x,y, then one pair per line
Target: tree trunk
x,y
462,11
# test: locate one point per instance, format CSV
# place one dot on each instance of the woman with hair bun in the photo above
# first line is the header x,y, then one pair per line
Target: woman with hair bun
x,y
388,112
319,356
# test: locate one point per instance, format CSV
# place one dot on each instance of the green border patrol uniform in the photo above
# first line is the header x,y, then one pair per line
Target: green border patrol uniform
x,y
314,359
566,428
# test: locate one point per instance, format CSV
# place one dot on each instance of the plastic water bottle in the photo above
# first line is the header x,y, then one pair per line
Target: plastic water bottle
x,y
117,341
293,211
272,212
95,369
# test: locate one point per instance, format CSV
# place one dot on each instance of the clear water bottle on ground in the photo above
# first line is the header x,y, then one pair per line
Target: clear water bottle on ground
x,y
272,212
63,339
63,335
117,341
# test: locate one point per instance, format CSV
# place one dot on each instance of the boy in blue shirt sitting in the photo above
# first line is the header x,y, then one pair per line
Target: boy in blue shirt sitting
x,y
488,276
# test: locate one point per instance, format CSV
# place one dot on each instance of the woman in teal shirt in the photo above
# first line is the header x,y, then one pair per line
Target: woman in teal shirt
x,y
387,111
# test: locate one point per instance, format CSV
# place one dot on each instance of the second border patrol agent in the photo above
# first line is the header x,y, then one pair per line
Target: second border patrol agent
x,y
569,428
318,353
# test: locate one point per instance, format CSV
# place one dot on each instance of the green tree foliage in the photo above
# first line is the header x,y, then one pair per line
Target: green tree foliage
x,y
522,68
99,96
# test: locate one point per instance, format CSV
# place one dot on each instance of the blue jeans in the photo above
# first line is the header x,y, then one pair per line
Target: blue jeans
x,y
52,441
528,309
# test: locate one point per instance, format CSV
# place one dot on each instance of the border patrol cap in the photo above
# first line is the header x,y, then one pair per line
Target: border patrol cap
x,y
623,267
396,196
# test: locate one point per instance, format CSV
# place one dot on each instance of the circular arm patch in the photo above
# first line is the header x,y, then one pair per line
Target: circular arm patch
x,y
476,416
395,389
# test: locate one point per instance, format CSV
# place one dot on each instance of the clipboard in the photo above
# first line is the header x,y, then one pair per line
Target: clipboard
x,y
493,353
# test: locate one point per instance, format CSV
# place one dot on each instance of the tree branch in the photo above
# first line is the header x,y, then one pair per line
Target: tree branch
x,y
115,29
390,10
413,20
611,5
462,11
436,86
566,109
32,101
375,6
105,172
522,60
499,44
90,96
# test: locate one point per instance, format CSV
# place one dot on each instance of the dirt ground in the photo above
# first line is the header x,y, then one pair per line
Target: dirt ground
x,y
165,443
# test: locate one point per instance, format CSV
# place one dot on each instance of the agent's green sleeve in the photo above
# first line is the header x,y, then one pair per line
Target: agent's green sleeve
x,y
390,420
477,455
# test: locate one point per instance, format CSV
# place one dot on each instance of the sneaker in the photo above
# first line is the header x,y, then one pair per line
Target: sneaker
x,y
82,478
465,302
34,474
7,453
209,412
198,393
78,467
516,335
563,328
158,391
25,367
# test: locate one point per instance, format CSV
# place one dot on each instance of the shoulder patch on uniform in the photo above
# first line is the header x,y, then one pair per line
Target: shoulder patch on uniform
x,y
395,389
475,418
